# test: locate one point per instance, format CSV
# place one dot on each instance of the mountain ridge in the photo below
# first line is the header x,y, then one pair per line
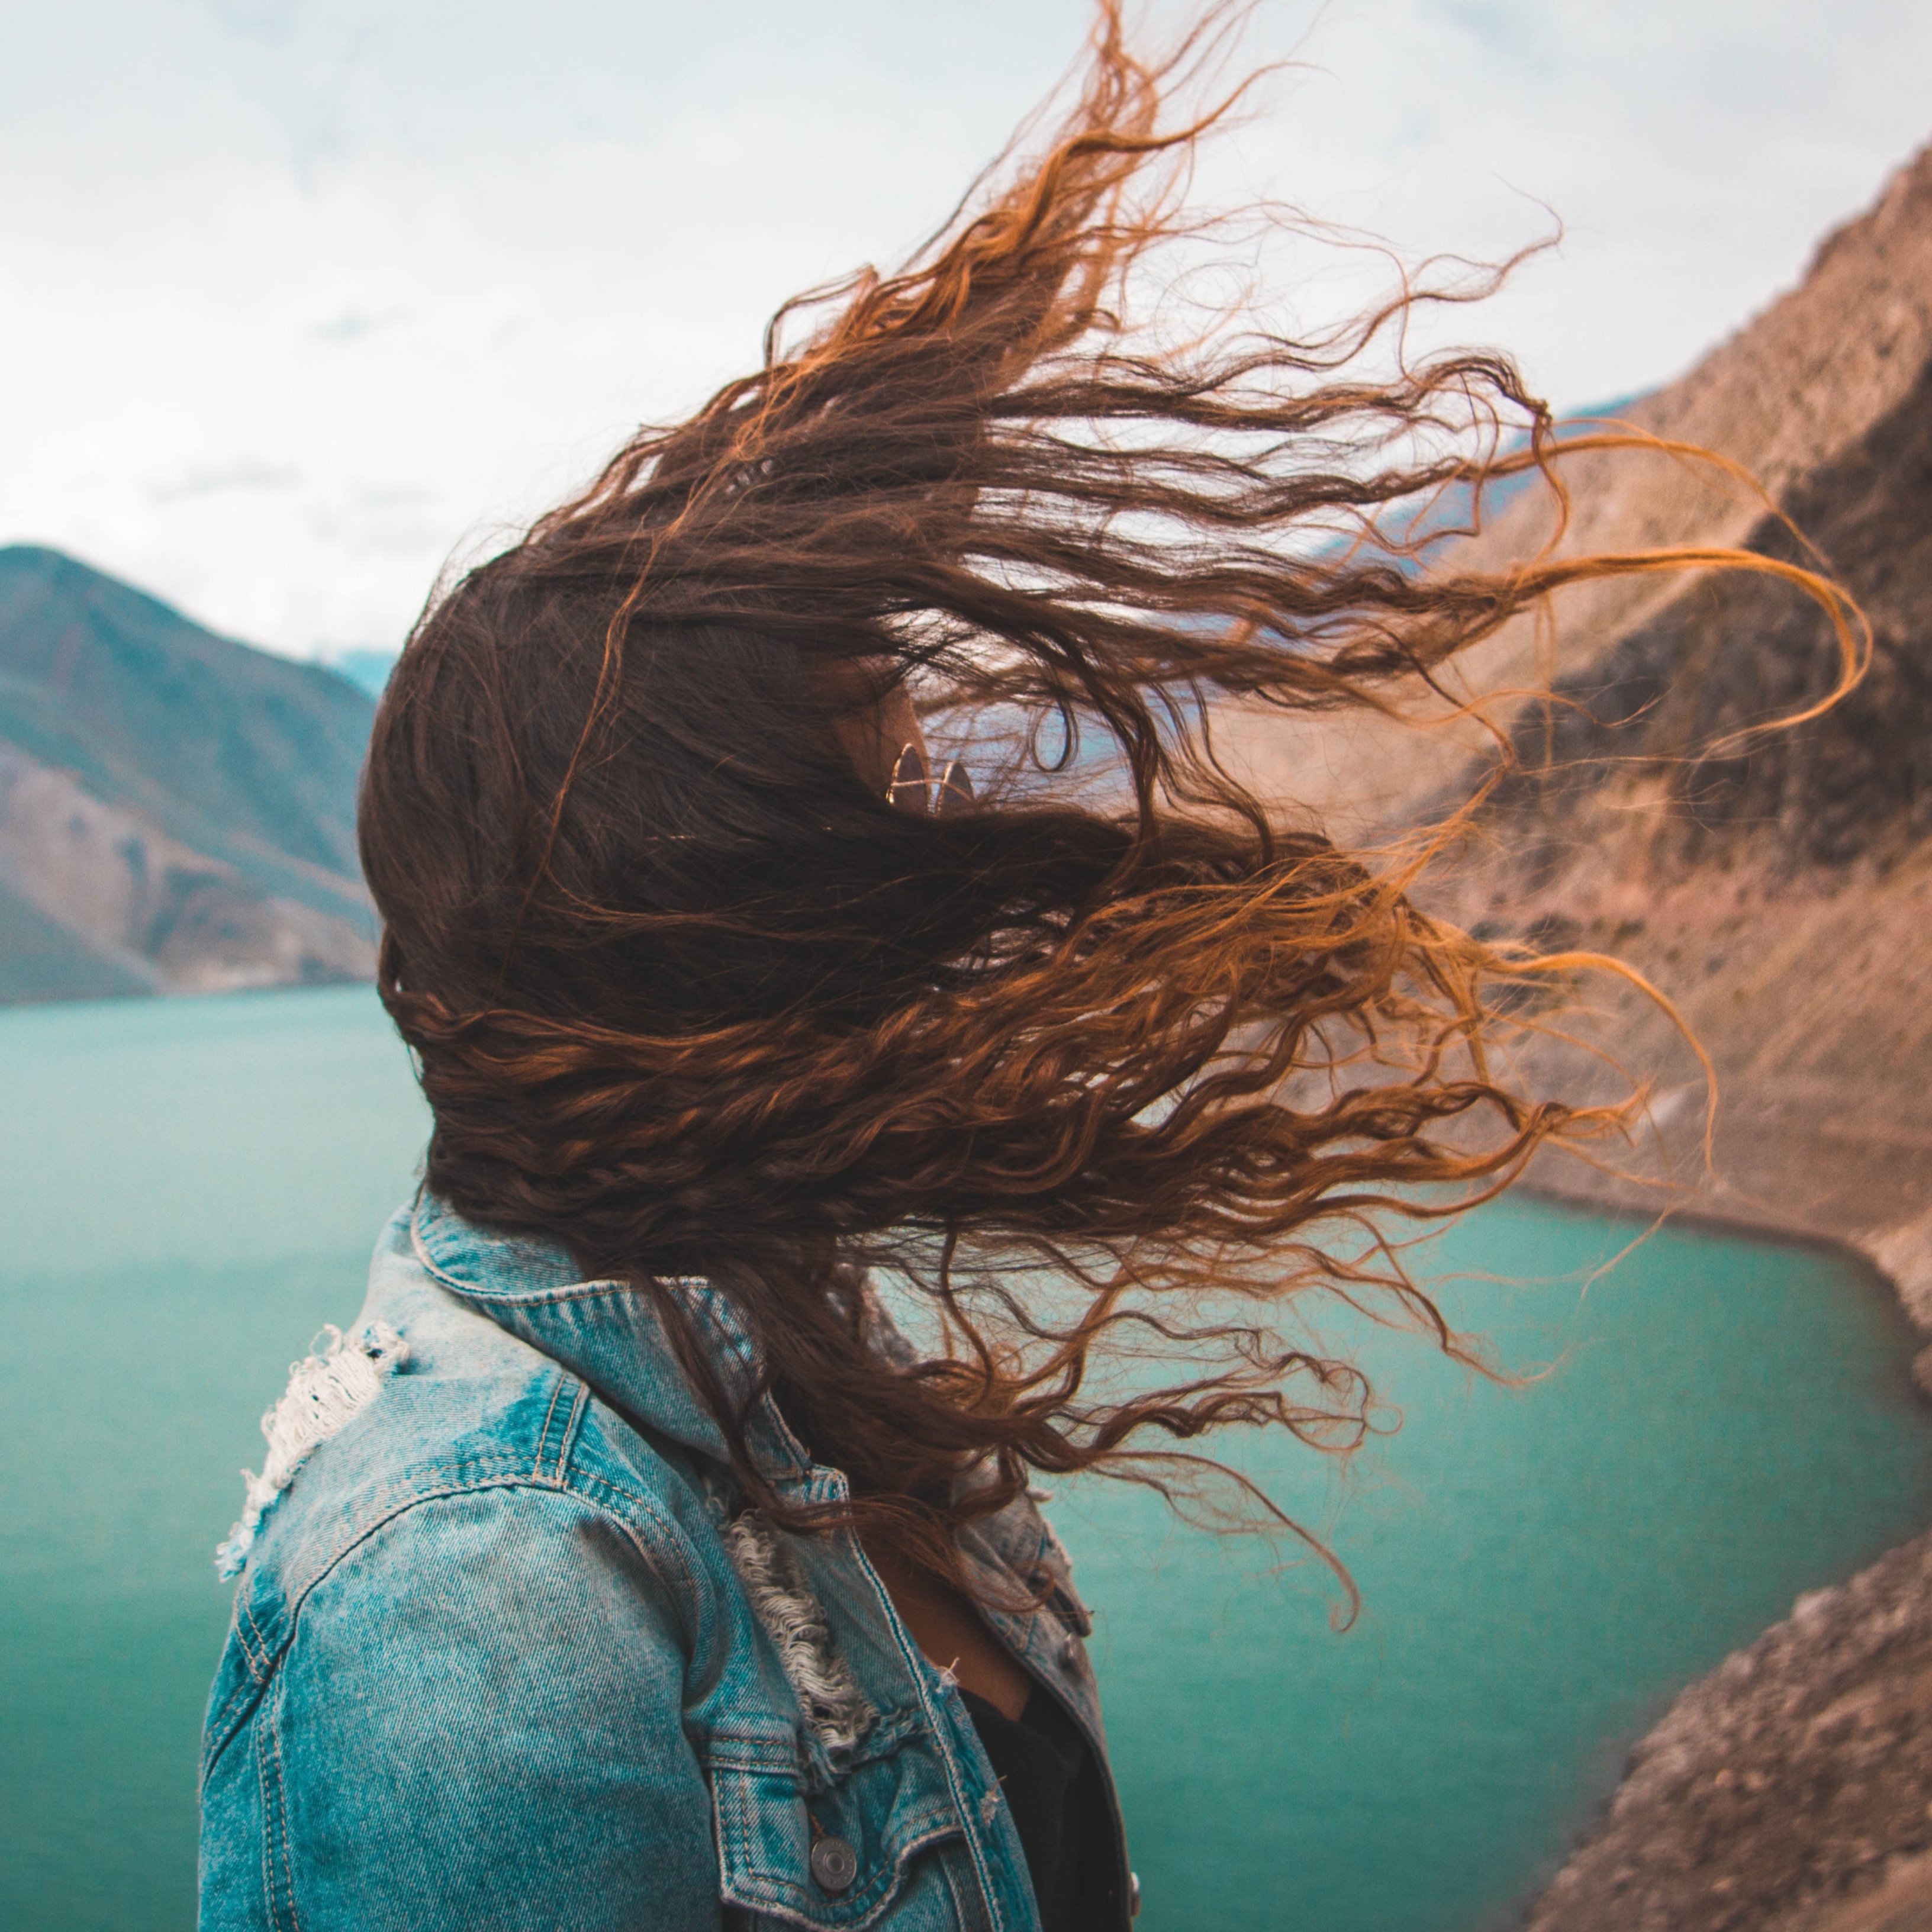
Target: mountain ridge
x,y
1779,895
1799,384
177,808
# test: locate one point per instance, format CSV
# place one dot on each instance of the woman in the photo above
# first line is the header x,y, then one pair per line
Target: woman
x,y
832,1133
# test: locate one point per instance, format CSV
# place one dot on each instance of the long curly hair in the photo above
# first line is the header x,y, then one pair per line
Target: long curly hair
x,y
1098,1076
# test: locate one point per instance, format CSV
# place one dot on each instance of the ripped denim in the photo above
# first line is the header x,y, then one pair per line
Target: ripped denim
x,y
509,1651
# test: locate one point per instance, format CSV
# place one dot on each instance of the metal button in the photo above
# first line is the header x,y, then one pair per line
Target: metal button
x,y
1133,1895
834,1863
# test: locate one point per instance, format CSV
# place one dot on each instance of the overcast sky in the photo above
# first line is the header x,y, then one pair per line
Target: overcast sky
x,y
301,296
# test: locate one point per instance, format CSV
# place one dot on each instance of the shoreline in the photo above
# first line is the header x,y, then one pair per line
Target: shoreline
x,y
1786,1790
1704,1218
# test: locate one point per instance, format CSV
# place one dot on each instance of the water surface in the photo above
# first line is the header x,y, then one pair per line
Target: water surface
x,y
189,1189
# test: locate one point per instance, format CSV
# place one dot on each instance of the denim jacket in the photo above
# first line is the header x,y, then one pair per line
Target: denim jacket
x,y
508,1652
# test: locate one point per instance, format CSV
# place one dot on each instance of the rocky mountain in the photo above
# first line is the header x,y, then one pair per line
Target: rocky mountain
x,y
1785,1793
1779,892
1780,896
177,810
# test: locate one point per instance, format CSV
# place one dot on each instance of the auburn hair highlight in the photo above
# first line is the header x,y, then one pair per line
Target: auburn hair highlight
x,y
1103,1074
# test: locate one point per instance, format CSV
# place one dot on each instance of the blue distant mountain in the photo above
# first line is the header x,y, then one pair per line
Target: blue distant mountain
x,y
177,809
1426,529
367,669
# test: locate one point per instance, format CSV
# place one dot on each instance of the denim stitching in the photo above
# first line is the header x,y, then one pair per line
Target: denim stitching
x,y
543,1434
246,1628
937,1722
972,1917
219,1730
601,1287
566,1447
437,1480
267,1835
685,1586
773,1892
264,1646
275,1801
769,1757
575,1290
711,1306
216,1740
282,1790
262,1670
520,1479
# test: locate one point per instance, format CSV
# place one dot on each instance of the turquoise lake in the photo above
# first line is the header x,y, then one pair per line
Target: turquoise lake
x,y
189,1189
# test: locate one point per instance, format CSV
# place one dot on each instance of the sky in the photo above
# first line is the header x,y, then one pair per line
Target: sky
x,y
301,299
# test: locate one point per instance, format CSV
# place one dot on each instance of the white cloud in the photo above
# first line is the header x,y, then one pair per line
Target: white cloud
x,y
301,296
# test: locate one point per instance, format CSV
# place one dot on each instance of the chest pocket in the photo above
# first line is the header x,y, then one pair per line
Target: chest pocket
x,y
855,1851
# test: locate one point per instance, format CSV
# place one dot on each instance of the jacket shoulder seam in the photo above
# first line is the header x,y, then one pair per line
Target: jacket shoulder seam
x,y
469,1291
265,1654
580,1487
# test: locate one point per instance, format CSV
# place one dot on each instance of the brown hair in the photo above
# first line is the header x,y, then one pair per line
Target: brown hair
x,y
689,993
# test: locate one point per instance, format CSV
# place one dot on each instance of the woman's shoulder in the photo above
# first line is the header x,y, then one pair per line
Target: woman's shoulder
x,y
467,1595
423,1398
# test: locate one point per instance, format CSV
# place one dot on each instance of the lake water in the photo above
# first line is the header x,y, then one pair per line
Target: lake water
x,y
188,1190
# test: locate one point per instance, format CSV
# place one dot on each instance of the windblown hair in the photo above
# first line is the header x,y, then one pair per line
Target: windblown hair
x,y
1086,1066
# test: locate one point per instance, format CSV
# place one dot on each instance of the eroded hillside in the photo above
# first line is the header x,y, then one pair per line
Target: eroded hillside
x,y
1778,889
177,810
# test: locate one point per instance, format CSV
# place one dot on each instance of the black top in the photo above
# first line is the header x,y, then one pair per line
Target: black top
x,y
1058,1798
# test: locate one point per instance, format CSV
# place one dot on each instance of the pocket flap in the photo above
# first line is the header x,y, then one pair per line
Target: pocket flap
x,y
835,1858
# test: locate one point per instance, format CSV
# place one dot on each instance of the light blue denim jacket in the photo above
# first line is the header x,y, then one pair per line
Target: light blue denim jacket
x,y
508,1653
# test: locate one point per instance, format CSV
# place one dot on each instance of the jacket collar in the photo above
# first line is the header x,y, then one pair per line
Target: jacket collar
x,y
607,1333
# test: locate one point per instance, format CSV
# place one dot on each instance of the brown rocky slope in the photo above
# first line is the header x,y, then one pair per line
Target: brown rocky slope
x,y
1782,898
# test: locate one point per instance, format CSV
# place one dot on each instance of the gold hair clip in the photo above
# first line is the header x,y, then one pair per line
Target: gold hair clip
x,y
911,774
955,790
